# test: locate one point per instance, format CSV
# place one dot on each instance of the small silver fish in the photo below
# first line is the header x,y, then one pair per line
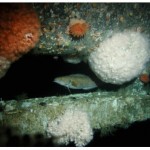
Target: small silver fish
x,y
76,81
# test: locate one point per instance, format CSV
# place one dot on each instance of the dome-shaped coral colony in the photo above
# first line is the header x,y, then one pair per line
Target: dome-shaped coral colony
x,y
19,30
78,28
120,58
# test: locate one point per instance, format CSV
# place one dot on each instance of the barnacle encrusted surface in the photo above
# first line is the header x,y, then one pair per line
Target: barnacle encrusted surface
x,y
103,18
105,110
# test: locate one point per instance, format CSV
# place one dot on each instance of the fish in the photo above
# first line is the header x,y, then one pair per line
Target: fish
x,y
76,81
73,59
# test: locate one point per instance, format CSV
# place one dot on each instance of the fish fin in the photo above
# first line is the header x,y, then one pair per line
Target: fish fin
x,y
68,87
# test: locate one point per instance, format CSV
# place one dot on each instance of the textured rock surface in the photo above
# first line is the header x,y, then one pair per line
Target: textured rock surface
x,y
104,19
105,110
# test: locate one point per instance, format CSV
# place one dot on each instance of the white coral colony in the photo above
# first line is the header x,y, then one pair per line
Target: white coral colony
x,y
121,57
72,126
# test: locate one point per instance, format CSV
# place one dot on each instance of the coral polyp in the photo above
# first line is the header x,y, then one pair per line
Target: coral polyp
x,y
78,28
144,78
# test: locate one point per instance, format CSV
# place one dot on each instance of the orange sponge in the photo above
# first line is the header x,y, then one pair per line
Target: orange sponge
x,y
19,30
144,78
